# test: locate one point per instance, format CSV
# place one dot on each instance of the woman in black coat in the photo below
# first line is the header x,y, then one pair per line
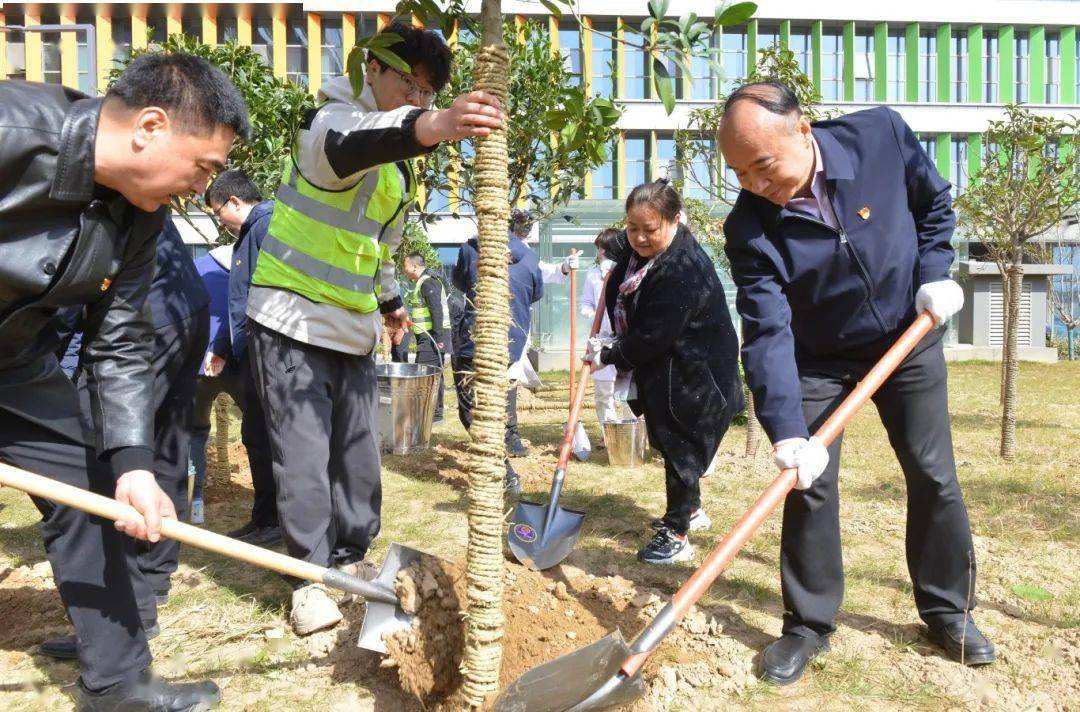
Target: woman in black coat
x,y
676,352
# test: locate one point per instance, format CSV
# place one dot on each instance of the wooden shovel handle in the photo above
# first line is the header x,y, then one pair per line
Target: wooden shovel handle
x,y
721,556
573,328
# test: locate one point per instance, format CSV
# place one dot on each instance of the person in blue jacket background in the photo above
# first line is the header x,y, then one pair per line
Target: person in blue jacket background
x,y
838,239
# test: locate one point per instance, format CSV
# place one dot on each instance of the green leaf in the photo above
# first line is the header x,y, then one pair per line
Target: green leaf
x,y
665,85
354,67
552,8
658,8
736,14
391,60
1031,593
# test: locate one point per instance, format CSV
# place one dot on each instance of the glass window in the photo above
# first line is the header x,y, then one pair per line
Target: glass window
x,y
604,58
929,146
698,178
191,20
928,65
991,72
702,77
262,32
84,16
665,155
637,78
603,177
675,71
864,65
637,162
226,24
896,84
731,185
1053,68
1023,65
570,49
733,59
768,36
960,66
16,52
333,48
958,155
832,64
50,56
157,22
296,43
121,33
800,45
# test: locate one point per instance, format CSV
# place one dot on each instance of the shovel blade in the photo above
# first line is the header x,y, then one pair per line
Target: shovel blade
x,y
586,679
381,619
539,547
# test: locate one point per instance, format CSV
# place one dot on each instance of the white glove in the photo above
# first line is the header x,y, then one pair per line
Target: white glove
x,y
810,456
942,299
571,261
595,345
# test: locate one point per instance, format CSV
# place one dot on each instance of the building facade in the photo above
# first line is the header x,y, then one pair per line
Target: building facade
x,y
948,68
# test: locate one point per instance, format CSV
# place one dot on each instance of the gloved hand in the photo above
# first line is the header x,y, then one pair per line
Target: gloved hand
x,y
595,345
213,364
942,299
810,456
571,261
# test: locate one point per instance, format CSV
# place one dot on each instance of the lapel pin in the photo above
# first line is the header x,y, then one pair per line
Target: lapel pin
x,y
105,284
864,212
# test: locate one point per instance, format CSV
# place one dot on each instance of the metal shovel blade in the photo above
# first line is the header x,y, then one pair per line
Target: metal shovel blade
x,y
540,547
382,618
586,679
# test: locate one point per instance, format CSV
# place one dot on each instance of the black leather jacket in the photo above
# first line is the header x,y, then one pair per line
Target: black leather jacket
x,y
66,241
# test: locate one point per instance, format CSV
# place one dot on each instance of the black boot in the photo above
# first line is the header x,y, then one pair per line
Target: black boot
x,y
512,483
963,642
784,661
514,446
67,647
150,694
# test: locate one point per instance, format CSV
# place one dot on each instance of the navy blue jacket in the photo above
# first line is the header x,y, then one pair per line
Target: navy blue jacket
x,y
245,257
526,288
216,279
808,293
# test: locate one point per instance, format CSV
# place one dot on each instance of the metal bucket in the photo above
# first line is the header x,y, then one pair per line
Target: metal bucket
x,y
407,394
626,441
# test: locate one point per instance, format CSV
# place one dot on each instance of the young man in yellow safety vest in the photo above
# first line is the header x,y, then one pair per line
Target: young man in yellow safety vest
x,y
324,286
430,314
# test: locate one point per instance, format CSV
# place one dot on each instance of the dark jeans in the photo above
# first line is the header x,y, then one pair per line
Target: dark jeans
x,y
913,406
682,500
321,412
427,354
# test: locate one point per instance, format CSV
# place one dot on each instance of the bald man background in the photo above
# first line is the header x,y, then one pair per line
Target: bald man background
x,y
838,239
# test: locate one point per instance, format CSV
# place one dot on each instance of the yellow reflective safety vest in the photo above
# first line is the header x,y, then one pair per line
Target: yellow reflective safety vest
x,y
328,246
419,312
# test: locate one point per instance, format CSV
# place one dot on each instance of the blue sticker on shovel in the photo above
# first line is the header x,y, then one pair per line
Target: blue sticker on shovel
x,y
525,533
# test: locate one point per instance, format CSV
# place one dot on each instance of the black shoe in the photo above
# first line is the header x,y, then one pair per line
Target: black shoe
x,y
512,483
67,647
514,446
784,661
242,531
150,694
262,536
666,547
963,642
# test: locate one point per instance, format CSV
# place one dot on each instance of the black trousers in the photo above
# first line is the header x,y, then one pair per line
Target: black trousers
x,y
400,353
466,397
92,562
321,409
913,406
427,354
682,499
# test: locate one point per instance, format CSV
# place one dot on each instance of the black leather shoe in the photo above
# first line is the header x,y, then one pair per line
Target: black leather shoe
x,y
784,661
242,531
67,647
514,446
963,642
262,536
150,694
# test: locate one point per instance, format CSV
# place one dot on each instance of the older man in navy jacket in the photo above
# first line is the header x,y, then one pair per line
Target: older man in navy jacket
x,y
839,238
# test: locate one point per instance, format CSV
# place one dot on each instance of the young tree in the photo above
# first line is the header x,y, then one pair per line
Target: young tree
x,y
1027,184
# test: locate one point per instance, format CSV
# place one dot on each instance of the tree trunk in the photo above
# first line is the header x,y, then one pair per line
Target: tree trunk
x,y
1069,339
753,428
1008,409
484,565
1006,320
221,436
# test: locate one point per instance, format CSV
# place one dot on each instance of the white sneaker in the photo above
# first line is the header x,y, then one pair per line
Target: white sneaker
x,y
313,609
196,515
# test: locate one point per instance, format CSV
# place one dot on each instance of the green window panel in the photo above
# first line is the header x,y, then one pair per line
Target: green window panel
x,y
942,157
911,46
815,42
881,61
849,61
1068,66
944,63
1007,62
974,153
785,33
975,64
1038,65
751,44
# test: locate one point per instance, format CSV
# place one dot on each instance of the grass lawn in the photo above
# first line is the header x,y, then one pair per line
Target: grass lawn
x,y
1025,517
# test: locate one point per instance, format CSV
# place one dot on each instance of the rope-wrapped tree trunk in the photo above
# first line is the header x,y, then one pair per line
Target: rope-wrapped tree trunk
x,y
221,436
484,566
1012,372
753,427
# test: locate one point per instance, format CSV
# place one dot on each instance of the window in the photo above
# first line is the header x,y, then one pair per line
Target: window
x,y
702,76
732,59
296,42
333,48
665,156
800,45
50,57
604,58
675,71
262,32
637,162
928,66
698,174
636,76
768,36
16,51
929,146
570,49
157,22
832,65
121,32
1023,64
84,16
958,156
191,20
960,66
1053,68
731,185
603,177
226,24
864,65
991,72
896,71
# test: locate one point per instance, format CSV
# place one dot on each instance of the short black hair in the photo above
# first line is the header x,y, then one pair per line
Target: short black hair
x,y
607,236
660,195
420,48
772,95
234,183
417,258
197,95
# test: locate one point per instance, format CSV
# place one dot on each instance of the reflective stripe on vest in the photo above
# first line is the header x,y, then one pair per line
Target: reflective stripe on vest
x,y
419,312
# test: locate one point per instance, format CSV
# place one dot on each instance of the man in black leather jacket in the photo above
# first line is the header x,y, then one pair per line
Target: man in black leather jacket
x,y
83,187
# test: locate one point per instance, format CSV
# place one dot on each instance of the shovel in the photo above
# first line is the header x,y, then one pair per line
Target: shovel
x,y
542,536
383,615
607,673
581,447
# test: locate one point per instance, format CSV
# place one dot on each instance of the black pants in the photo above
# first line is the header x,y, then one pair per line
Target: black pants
x,y
466,397
427,354
400,353
682,499
92,562
321,412
913,406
